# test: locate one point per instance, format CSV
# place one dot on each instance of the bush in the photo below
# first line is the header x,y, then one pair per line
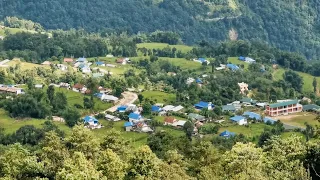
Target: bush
x,y
78,106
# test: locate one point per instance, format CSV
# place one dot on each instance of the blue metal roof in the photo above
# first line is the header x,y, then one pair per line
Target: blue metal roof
x,y
128,124
202,59
81,59
198,80
99,63
203,104
237,118
227,134
233,67
122,108
88,119
155,109
241,58
134,116
252,115
269,119
98,95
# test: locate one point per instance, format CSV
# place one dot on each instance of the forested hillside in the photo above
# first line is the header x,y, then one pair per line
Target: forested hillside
x,y
291,25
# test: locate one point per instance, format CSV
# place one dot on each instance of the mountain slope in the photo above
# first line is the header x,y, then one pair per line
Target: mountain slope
x,y
290,25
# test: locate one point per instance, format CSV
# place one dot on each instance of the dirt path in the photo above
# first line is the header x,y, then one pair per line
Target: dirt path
x,y
128,98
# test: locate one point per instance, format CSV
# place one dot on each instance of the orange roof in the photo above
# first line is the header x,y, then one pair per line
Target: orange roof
x,y
120,60
67,60
78,86
169,119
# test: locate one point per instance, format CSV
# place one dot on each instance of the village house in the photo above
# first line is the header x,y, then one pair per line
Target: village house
x,y
190,80
106,97
62,67
79,88
243,87
202,105
64,85
82,60
122,61
229,108
85,69
311,107
240,120
68,60
143,127
135,118
46,63
99,63
222,67
109,56
196,117
247,59
38,86
283,108
155,109
111,118
169,120
11,90
97,75
91,122
233,67
111,65
227,134
128,126
201,60
1,37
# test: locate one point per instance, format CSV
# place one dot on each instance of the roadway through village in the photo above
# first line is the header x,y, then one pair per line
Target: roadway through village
x,y
128,98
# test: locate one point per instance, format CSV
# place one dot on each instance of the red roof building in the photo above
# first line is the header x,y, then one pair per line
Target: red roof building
x,y
67,60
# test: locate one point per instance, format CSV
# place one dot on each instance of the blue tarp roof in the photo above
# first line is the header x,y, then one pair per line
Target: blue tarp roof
x,y
88,119
233,67
266,119
202,59
252,115
122,108
82,66
155,109
99,63
128,124
227,134
134,116
237,118
203,104
241,58
198,80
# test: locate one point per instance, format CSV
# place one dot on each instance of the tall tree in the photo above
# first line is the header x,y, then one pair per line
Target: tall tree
x,y
314,84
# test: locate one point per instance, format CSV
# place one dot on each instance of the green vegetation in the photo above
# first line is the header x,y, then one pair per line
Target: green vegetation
x,y
184,63
252,130
159,97
299,119
182,48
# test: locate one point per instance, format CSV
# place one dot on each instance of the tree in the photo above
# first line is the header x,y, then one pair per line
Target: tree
x,y
82,140
18,163
59,102
78,167
160,143
244,161
110,165
188,128
309,132
314,84
146,108
28,134
2,77
50,93
118,91
71,116
294,79
53,153
144,164
140,97
115,142
88,103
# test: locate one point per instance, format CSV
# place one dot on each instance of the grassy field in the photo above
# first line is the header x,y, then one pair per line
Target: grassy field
x,y
236,61
159,97
14,31
182,48
288,134
299,119
183,63
77,98
307,79
25,65
251,131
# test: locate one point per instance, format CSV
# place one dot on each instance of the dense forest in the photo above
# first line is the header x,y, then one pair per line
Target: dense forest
x,y
289,25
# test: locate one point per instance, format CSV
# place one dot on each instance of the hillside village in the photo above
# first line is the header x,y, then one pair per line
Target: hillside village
x,y
98,103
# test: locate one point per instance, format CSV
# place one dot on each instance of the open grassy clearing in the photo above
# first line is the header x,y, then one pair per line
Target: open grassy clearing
x,y
183,63
182,48
288,134
307,79
236,61
251,131
77,98
159,97
25,65
299,119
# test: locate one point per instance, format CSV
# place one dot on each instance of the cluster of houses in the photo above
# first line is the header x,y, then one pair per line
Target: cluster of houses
x,y
11,89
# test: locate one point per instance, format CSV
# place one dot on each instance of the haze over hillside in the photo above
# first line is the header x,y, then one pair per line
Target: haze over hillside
x,y
290,25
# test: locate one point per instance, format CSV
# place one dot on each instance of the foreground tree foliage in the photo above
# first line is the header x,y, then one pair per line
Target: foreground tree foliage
x,y
82,156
